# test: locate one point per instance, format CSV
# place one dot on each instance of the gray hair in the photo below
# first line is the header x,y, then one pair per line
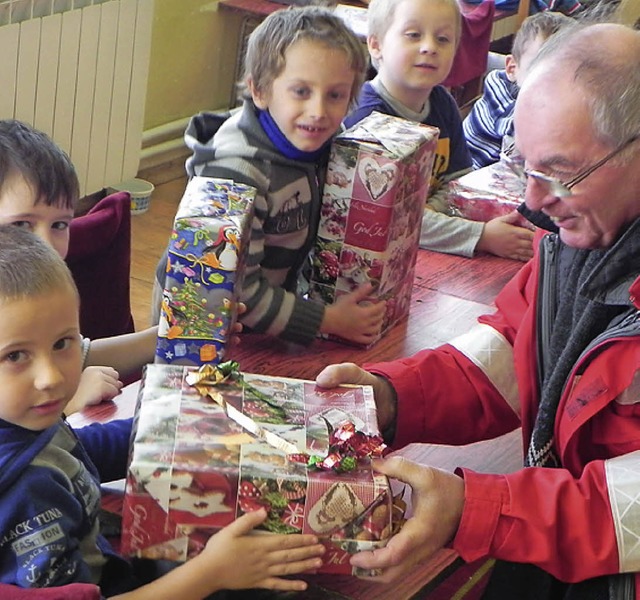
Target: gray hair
x,y
269,42
607,73
29,266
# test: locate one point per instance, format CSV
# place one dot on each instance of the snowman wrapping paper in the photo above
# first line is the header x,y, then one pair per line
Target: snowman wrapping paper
x,y
374,195
205,266
193,469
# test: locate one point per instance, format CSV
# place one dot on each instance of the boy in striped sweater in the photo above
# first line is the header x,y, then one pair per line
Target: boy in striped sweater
x,y
491,118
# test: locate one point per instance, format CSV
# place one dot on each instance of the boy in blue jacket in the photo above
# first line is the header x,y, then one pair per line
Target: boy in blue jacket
x,y
50,475
412,44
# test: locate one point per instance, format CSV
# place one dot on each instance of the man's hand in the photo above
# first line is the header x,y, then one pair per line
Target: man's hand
x,y
437,499
383,392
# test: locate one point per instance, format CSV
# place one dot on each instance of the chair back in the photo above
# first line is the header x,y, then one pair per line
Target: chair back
x,y
99,258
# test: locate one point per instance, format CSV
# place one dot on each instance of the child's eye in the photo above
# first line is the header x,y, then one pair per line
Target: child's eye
x,y
63,343
15,356
338,95
301,92
60,225
412,35
22,224
444,39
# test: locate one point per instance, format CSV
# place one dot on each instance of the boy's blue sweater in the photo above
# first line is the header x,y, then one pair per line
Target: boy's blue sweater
x,y
452,155
50,500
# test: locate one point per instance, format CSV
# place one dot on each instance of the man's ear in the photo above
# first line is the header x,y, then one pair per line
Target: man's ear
x,y
259,98
510,67
375,49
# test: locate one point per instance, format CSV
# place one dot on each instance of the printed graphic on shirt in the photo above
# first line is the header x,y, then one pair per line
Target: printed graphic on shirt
x,y
290,212
440,163
40,543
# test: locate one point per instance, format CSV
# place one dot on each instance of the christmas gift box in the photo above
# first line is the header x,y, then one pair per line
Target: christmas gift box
x,y
485,193
375,192
208,448
205,264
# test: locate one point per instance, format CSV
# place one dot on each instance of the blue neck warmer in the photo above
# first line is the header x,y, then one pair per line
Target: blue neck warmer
x,y
283,145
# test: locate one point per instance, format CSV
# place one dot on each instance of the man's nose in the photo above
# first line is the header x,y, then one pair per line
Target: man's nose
x,y
537,195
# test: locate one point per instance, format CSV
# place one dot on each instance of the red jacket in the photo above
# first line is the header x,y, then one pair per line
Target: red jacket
x,y
576,522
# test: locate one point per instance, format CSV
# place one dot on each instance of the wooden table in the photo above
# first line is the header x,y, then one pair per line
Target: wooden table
x,y
449,292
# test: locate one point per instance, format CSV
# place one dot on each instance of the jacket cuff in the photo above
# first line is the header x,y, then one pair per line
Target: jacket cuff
x,y
484,498
409,423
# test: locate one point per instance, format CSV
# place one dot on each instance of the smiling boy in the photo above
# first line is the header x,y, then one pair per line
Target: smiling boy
x,y
412,44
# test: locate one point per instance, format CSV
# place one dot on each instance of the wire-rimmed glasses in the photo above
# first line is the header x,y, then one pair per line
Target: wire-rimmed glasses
x,y
554,186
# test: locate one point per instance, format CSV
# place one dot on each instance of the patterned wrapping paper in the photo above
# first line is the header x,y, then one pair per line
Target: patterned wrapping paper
x,y
205,265
376,189
193,470
485,193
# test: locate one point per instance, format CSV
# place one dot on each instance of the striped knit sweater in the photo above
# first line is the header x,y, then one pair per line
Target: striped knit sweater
x,y
287,209
490,119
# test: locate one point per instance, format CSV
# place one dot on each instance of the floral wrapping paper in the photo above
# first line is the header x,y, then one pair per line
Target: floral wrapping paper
x,y
485,193
376,189
193,470
205,265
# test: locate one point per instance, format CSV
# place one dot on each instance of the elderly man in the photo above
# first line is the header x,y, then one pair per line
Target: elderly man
x,y
560,357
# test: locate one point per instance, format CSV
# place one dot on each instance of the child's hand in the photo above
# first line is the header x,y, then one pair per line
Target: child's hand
x,y
241,307
354,318
504,236
97,384
239,560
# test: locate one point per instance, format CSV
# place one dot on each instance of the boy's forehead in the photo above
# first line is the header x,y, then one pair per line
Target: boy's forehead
x,y
19,197
418,6
432,13
18,313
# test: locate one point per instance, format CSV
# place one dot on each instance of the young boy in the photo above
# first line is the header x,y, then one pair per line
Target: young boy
x,y
49,487
303,68
491,118
412,44
38,191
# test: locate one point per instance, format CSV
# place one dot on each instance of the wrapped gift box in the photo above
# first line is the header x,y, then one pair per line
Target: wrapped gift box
x,y
205,265
485,193
375,193
193,469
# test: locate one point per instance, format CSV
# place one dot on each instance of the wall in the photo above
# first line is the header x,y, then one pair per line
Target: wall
x,y
192,68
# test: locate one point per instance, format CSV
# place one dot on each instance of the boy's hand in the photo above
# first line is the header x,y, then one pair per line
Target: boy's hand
x,y
353,317
97,384
241,307
239,560
504,236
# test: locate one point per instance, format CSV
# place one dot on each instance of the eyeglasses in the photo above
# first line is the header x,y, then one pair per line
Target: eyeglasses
x,y
553,185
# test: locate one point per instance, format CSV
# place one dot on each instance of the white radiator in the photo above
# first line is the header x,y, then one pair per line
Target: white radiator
x,y
81,75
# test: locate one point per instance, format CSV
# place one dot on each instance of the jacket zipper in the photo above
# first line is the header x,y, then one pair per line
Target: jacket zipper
x,y
547,301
